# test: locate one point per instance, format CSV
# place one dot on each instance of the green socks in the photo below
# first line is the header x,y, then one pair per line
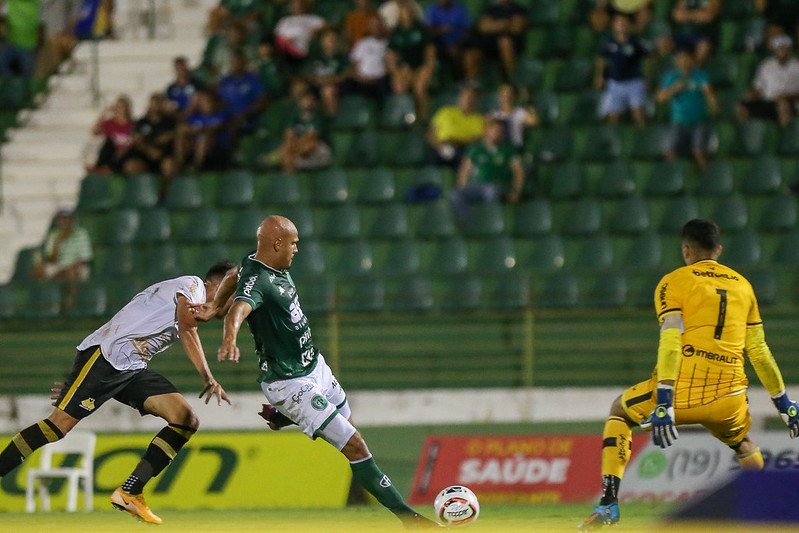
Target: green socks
x,y
366,473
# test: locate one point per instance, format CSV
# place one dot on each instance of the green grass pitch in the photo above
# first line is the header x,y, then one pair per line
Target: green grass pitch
x,y
499,518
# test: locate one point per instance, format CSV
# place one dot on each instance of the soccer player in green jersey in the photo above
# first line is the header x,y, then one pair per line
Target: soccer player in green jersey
x,y
294,376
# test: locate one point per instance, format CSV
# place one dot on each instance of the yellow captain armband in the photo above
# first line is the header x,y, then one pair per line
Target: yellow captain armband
x,y
760,355
669,353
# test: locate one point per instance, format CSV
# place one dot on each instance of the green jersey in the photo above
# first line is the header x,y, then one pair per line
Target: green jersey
x,y
278,325
492,165
23,22
410,44
324,65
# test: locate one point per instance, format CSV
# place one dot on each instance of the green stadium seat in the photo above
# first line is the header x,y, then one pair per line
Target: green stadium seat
x,y
15,93
364,151
342,222
544,254
742,250
309,260
389,221
492,255
203,226
546,107
354,112
749,35
236,189
278,189
601,143
559,43
506,292
485,220
678,211
666,179
584,218
399,111
361,294
606,290
412,149
43,301
91,301
595,252
575,74
550,145
321,294
97,193
787,253
120,292
8,301
184,193
641,287
329,187
643,251
764,282
533,219
789,142
122,226
458,293
558,291
351,258
617,180
722,71
397,258
161,262
736,9
764,176
26,260
141,191
378,187
115,263
446,256
755,137
652,143
197,258
586,108
567,181
545,13
239,225
529,73
154,226
435,220
411,293
779,214
631,217
717,179
731,214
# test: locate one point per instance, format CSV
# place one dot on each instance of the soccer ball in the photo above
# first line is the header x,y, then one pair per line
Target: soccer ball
x,y
456,506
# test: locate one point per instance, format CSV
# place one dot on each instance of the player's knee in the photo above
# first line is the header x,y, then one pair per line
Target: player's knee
x,y
185,416
356,448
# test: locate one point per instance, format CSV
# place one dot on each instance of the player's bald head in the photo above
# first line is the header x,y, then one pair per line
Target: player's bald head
x,y
275,227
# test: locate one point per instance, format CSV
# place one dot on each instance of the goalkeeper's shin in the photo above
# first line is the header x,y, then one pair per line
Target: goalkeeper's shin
x,y
751,460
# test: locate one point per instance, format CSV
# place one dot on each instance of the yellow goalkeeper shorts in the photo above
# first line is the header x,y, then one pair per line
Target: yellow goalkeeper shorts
x,y
727,418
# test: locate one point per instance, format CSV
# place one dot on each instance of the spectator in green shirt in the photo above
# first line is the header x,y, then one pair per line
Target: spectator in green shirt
x,y
67,251
491,171
22,37
328,70
304,143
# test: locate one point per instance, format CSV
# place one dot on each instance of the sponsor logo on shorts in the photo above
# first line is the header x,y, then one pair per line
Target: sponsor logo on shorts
x,y
88,404
385,482
318,402
690,351
297,397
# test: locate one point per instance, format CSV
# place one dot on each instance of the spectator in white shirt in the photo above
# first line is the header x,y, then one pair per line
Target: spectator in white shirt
x,y
390,12
294,32
775,90
370,74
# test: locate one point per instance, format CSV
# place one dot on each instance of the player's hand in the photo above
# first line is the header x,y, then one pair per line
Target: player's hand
x,y
228,352
789,412
268,413
661,421
56,390
212,388
203,312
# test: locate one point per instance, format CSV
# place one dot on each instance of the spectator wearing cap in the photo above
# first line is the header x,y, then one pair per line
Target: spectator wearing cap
x,y
775,89
67,251
782,16
618,69
692,100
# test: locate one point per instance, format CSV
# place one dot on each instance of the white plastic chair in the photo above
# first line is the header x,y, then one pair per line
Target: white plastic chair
x,y
76,442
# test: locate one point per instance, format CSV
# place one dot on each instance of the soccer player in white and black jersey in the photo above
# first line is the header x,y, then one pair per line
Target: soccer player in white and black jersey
x,y
112,363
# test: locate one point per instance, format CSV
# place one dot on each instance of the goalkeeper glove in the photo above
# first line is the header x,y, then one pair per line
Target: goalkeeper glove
x,y
789,412
661,421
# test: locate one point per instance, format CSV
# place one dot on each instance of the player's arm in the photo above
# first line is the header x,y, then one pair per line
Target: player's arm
x,y
770,376
221,302
664,431
239,311
190,339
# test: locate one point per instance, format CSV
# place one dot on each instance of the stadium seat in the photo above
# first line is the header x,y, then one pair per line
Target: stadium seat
x,y
652,143
736,9
341,222
631,217
533,219
114,263
643,251
435,220
447,256
197,258
236,189
765,284
309,260
717,179
543,254
586,108
154,226
764,176
121,227
666,179
319,296
329,187
606,290
242,224
203,226
399,111
361,294
567,181
397,258
575,74
529,73
354,112
559,291
99,193
8,301
617,180
600,143
506,292
789,140
787,253
411,293
141,191
559,43
595,252
742,250
352,258
550,145
161,262
545,13
485,220
378,187
388,221
492,255
364,151
723,71
184,193
91,301
547,107
731,213
678,211
641,287
24,265
755,137
779,214
584,218
43,301
458,293
278,189
412,150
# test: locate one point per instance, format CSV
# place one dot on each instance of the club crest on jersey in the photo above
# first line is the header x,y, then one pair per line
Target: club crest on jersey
x,y
88,404
318,402
296,311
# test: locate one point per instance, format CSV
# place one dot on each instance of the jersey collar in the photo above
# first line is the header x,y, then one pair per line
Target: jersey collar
x,y
252,257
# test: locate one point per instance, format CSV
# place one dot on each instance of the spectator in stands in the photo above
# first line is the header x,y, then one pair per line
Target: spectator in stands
x,y
491,171
180,92
361,22
153,143
390,12
18,53
116,126
293,33
454,127
782,16
501,30
369,74
604,11
328,70
218,54
243,95
618,69
304,143
775,90
514,118
67,251
449,23
697,26
245,12
202,140
269,70
411,58
692,99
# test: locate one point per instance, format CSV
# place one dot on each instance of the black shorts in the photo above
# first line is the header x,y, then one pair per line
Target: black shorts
x,y
761,109
93,381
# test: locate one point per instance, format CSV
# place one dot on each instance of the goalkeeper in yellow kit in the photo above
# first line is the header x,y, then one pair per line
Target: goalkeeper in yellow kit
x,y
708,315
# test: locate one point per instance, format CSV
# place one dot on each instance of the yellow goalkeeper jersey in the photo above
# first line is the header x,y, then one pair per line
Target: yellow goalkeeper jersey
x,y
717,304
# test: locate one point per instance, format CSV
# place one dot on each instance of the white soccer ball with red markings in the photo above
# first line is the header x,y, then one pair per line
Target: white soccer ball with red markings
x,y
456,506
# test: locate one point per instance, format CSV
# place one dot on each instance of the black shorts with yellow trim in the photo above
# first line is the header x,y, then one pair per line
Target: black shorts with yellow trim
x,y
93,381
727,417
